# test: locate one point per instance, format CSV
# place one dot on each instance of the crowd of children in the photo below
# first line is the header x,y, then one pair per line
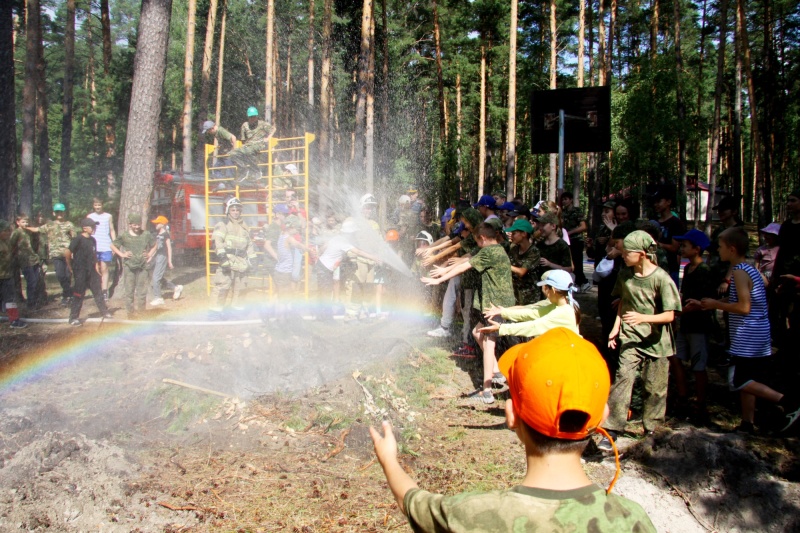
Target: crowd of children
x,y
80,261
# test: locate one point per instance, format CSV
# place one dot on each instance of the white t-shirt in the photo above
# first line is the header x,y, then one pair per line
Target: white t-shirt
x,y
103,232
334,252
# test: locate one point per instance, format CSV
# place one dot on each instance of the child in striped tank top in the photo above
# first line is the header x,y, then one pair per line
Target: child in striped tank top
x,y
750,345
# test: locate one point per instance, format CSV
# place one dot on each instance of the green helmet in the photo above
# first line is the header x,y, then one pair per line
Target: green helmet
x,y
59,207
252,112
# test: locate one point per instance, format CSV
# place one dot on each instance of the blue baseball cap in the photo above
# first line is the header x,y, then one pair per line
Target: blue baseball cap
x,y
281,209
696,237
487,200
508,206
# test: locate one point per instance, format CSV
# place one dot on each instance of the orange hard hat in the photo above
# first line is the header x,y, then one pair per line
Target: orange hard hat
x,y
392,235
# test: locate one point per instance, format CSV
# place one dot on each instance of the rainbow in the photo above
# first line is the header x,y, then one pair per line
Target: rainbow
x,y
75,345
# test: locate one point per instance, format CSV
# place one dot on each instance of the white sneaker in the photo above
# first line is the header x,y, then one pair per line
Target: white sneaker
x,y
157,301
586,287
439,332
177,292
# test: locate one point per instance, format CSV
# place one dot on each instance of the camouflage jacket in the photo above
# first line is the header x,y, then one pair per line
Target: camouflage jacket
x,y
232,238
59,235
256,134
572,217
6,259
526,509
525,289
24,254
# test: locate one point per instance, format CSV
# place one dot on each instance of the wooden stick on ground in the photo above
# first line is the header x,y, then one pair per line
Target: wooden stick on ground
x,y
195,387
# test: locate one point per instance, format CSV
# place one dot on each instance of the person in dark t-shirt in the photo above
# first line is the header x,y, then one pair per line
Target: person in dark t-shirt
x,y
82,262
671,226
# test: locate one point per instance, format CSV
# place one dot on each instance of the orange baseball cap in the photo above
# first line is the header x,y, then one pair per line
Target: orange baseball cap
x,y
160,219
555,373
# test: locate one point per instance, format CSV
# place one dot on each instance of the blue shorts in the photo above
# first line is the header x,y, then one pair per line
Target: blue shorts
x,y
105,257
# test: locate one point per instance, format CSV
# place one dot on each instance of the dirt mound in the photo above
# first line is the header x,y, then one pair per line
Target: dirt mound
x,y
83,484
728,481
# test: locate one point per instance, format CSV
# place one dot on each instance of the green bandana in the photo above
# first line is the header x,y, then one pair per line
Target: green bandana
x,y
639,241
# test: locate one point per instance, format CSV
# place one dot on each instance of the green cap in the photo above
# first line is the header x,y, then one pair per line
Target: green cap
x,y
134,218
639,241
59,207
252,112
521,225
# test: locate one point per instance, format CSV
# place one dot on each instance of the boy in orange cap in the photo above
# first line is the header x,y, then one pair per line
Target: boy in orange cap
x,y
162,261
559,385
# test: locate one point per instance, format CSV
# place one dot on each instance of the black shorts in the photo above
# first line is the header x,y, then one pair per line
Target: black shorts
x,y
744,370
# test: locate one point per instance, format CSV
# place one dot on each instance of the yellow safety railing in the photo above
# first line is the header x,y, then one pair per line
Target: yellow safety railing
x,y
222,182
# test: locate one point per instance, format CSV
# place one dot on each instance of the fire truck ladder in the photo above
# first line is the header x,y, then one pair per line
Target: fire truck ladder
x,y
284,165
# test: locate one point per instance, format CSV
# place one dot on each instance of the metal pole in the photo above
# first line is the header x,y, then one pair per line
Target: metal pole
x,y
560,150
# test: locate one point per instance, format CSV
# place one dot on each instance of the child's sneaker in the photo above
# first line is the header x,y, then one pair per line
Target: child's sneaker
x,y
605,445
19,324
746,427
586,287
439,333
465,350
498,379
792,414
157,301
177,292
75,322
482,396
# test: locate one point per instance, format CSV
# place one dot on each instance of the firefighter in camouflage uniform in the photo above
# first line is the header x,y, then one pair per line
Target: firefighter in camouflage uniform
x,y
235,251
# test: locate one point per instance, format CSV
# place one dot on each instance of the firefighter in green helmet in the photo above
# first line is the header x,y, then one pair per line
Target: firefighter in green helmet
x,y
235,252
254,136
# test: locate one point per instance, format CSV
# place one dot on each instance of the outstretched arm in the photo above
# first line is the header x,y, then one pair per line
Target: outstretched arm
x,y
386,451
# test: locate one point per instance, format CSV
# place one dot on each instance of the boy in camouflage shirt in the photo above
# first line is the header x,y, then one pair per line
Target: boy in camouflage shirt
x,y
136,248
8,286
524,257
649,300
559,386
60,233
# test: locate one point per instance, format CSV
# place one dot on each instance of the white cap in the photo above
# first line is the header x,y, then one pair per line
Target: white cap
x,y
404,199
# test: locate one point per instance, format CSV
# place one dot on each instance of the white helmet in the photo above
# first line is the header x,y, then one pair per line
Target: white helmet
x,y
368,199
404,199
232,202
424,236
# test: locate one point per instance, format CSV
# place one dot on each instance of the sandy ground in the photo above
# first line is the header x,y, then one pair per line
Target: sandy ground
x,y
277,439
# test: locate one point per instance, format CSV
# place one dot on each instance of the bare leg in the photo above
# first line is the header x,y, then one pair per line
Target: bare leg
x,y
677,369
104,275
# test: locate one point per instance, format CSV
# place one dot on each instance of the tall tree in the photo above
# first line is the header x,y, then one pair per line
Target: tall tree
x,y
715,132
369,138
325,89
188,77
269,91
141,143
32,38
8,142
576,169
42,128
361,87
511,146
482,133
681,109
110,124
310,60
67,102
205,74
437,41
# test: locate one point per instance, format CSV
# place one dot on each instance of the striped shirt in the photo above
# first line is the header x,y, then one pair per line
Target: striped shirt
x,y
749,334
103,232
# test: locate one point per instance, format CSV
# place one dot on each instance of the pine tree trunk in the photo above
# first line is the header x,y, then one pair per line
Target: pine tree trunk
x,y
205,77
369,157
700,86
654,30
220,63
361,88
29,106
736,167
511,146
110,125
601,43
482,133
715,131
551,190
439,74
681,111
770,83
188,78
141,144
325,88
310,60
45,175
8,141
105,24
66,118
269,83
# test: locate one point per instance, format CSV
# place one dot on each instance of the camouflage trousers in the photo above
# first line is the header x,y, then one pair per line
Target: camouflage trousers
x,y
246,158
655,374
226,280
135,282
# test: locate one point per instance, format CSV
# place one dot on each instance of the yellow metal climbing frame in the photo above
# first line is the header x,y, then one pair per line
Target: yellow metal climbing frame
x,y
284,166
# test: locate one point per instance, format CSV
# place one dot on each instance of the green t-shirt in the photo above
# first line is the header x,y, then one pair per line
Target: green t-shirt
x,y
526,509
525,289
138,244
469,279
496,286
648,295
21,244
557,253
